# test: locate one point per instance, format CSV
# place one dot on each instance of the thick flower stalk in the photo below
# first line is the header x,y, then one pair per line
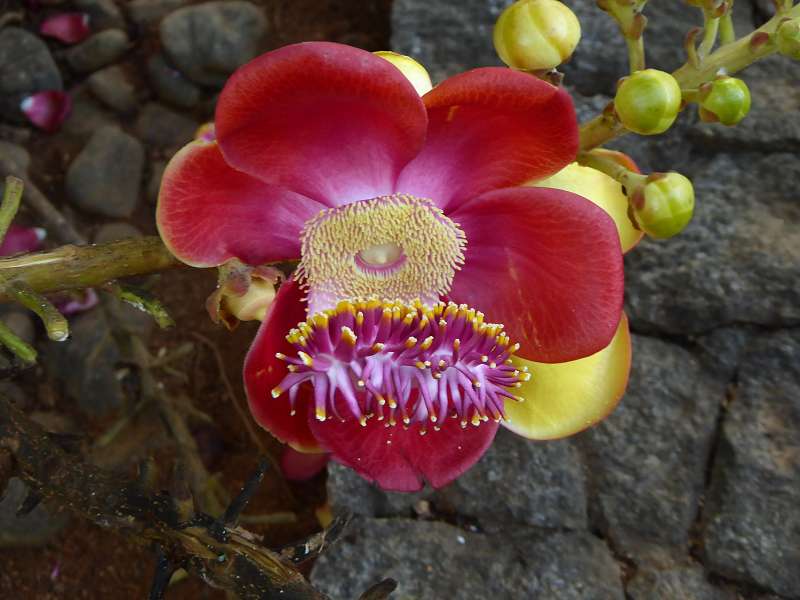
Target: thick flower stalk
x,y
435,298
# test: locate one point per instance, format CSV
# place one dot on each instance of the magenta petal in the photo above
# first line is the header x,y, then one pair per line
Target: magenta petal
x,y
78,302
69,28
22,239
331,122
545,263
209,212
48,109
299,466
400,459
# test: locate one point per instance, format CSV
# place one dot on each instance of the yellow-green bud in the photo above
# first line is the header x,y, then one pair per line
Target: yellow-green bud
x,y
413,70
253,304
535,35
664,204
787,38
726,100
648,101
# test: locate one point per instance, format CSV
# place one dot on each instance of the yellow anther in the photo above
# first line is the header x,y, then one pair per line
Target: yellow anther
x,y
411,342
420,365
321,415
360,318
280,356
307,360
276,392
349,336
426,343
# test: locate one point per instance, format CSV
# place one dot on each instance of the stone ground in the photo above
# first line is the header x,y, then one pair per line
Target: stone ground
x,y
690,490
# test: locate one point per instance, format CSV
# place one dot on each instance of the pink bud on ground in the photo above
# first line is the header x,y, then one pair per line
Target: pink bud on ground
x,y
47,110
70,28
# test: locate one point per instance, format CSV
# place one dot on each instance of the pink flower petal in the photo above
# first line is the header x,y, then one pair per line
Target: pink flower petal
x,y
548,265
490,128
400,459
328,121
22,239
209,213
263,371
77,302
48,109
69,28
300,466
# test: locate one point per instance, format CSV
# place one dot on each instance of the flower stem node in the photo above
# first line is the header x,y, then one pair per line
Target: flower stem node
x,y
535,35
409,67
664,205
787,38
648,101
725,100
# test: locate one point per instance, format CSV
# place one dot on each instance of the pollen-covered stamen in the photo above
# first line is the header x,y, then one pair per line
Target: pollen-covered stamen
x,y
389,247
403,363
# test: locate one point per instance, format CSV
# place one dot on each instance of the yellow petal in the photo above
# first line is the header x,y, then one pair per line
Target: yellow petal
x,y
564,398
603,191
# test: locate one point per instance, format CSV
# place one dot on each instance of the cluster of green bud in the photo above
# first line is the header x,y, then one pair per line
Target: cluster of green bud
x,y
648,101
536,35
663,204
725,100
787,38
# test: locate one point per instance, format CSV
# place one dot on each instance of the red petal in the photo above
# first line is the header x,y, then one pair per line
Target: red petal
x,y
21,239
329,121
48,109
299,466
491,128
548,265
69,28
209,213
401,460
263,372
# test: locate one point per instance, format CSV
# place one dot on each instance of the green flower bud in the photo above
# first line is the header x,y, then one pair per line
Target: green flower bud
x,y
535,35
664,204
787,38
725,100
648,101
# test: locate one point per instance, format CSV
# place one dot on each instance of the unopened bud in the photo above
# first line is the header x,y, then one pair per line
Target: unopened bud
x,y
535,35
787,37
648,101
725,100
253,304
413,70
664,204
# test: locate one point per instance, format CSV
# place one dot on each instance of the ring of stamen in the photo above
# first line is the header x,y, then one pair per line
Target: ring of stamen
x,y
395,246
394,361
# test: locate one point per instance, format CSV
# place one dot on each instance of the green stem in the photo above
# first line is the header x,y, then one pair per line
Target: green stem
x,y
19,347
709,36
143,301
11,199
54,322
612,168
727,34
635,53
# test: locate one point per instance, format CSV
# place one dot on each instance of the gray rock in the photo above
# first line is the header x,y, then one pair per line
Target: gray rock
x,y
34,529
99,50
517,482
752,519
436,560
679,583
87,116
103,14
111,232
112,87
157,169
26,67
170,85
20,322
723,349
105,177
149,12
159,126
207,42
447,36
85,365
738,261
15,154
647,460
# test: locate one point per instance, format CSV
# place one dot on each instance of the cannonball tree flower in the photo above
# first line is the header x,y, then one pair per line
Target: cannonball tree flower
x,y
433,300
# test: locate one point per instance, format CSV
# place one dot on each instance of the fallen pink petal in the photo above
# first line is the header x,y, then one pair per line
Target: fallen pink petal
x,y
22,239
47,110
70,28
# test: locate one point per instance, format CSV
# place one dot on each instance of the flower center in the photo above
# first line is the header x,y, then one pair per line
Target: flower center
x,y
390,361
398,247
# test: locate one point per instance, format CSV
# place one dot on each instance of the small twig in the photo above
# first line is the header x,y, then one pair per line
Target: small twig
x,y
238,504
12,194
163,573
317,543
727,33
141,300
380,591
710,30
17,345
54,322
